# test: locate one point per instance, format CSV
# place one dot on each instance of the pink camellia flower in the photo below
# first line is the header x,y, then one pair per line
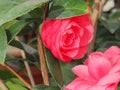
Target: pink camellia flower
x,y
101,71
67,38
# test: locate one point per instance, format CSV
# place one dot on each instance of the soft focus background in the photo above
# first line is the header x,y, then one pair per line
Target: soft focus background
x,y
22,42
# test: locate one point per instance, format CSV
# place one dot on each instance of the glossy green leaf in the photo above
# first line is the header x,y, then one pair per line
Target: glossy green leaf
x,y
11,9
18,62
11,81
67,73
67,8
111,24
54,67
8,24
15,29
43,87
3,45
107,44
28,49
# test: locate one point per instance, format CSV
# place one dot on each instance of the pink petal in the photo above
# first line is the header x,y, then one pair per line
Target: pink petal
x,y
112,87
109,79
112,53
77,84
82,72
82,87
97,88
98,65
115,69
73,84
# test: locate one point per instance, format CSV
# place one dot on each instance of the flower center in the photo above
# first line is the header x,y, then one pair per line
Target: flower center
x,y
68,37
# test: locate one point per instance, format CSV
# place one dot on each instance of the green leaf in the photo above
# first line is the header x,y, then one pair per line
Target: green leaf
x,y
3,45
11,9
8,24
43,87
115,15
15,29
54,67
28,49
111,24
11,81
66,69
108,44
118,88
14,62
67,8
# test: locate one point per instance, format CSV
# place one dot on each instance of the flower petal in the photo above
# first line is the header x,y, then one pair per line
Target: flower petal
x,y
77,84
87,36
82,72
98,65
73,84
112,53
81,52
97,88
109,79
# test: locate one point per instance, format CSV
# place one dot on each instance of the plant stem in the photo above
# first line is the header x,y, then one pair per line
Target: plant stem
x,y
28,69
18,76
89,7
94,19
44,69
43,64
27,66
2,85
102,3
98,6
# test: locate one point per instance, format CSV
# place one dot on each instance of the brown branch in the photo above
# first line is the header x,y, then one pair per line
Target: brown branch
x,y
44,69
18,76
30,76
94,19
43,64
89,7
28,69
98,6
102,3
2,85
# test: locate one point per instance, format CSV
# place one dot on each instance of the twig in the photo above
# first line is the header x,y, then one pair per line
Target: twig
x,y
28,69
44,69
2,85
89,7
43,64
18,76
98,6
94,18
101,6
27,66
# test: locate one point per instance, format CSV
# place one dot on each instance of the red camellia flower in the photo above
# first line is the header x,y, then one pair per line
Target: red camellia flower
x,y
100,72
67,38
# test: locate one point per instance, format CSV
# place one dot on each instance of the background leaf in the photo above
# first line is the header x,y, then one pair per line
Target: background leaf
x,y
11,9
43,87
111,24
11,81
15,29
54,67
66,69
67,8
28,49
3,45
